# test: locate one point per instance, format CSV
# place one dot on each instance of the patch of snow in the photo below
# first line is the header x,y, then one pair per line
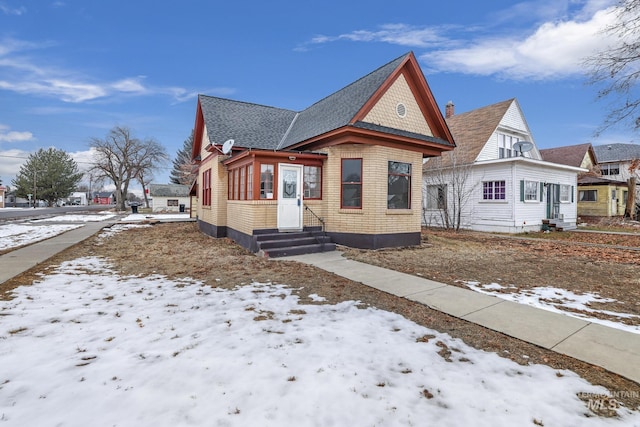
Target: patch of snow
x,y
117,228
143,217
317,298
86,346
553,299
14,235
77,218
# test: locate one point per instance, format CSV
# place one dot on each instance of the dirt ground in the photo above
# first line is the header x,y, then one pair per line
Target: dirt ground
x,y
180,250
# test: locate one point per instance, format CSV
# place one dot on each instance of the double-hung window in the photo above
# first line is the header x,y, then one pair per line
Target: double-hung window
x,y
351,184
206,188
399,185
436,196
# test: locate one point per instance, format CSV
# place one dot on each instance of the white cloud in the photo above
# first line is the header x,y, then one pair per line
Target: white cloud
x,y
7,135
554,50
8,10
545,39
10,162
25,75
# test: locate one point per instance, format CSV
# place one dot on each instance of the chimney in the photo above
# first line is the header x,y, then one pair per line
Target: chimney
x,y
449,110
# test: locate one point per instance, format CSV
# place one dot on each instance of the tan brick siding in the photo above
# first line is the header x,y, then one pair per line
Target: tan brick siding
x,y
384,112
374,217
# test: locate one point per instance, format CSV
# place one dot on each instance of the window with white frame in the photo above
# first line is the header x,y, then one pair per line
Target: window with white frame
x,y
565,193
505,145
436,196
610,169
530,191
494,190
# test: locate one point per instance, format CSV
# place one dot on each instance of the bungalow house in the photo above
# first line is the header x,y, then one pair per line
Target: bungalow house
x,y
621,162
597,195
170,197
344,169
495,179
103,198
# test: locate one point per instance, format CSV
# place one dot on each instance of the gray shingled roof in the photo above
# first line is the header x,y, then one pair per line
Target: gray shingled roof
x,y
259,126
338,109
616,152
249,125
168,190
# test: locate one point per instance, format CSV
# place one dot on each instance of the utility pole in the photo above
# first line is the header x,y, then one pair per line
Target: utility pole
x,y
34,189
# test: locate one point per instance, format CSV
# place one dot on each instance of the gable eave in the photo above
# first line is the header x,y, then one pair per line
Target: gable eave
x,y
422,93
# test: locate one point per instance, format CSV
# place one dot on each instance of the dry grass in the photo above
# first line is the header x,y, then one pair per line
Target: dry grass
x,y
180,250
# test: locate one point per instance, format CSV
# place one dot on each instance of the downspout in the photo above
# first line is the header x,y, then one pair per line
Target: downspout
x,y
514,185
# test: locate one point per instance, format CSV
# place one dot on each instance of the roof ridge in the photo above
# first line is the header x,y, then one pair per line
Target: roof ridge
x,y
286,133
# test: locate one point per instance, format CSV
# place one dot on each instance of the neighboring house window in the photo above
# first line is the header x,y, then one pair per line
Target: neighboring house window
x,y
610,169
494,190
505,145
351,188
588,196
399,185
206,188
625,194
312,182
436,196
565,193
530,191
172,202
250,182
266,181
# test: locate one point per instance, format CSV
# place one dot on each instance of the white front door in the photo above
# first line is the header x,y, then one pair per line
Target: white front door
x,y
290,197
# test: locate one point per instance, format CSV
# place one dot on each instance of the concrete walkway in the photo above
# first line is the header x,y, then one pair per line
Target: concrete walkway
x,y
20,260
613,349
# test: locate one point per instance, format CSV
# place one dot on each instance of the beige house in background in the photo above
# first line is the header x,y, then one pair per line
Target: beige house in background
x,y
346,170
599,196
3,190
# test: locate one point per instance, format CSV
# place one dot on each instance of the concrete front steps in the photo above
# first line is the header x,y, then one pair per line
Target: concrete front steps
x,y
558,225
274,244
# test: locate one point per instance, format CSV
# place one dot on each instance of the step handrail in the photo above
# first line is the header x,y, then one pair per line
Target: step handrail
x,y
324,233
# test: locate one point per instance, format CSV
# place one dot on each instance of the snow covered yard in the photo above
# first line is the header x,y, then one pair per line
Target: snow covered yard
x,y
87,346
15,235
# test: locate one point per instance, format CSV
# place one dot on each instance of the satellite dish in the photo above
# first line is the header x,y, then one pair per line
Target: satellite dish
x,y
523,146
226,147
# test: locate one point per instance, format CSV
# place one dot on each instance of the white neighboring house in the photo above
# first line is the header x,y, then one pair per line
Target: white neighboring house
x,y
486,184
170,197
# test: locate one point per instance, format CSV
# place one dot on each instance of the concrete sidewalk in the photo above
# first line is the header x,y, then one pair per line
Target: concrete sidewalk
x,y
613,349
20,260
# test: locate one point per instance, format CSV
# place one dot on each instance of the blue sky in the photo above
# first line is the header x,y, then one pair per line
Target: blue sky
x,y
71,70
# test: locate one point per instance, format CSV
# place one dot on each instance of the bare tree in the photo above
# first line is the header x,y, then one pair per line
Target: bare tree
x,y
121,158
617,68
447,190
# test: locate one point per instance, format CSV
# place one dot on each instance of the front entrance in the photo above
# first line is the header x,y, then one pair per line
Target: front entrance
x,y
290,197
553,201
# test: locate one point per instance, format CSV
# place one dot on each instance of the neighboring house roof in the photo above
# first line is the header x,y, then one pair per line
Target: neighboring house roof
x,y
103,194
168,190
616,152
596,180
263,127
571,155
472,130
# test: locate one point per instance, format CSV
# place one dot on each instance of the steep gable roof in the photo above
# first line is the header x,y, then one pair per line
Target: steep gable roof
x,y
571,155
472,130
338,109
263,127
616,152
